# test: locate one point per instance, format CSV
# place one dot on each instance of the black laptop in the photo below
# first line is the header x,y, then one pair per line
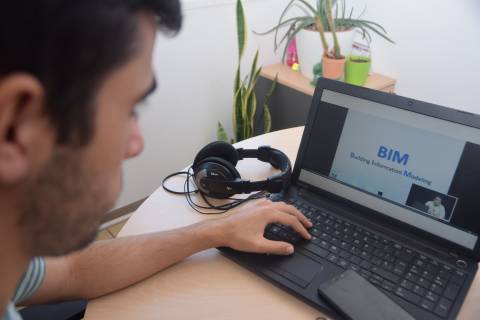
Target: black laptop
x,y
392,185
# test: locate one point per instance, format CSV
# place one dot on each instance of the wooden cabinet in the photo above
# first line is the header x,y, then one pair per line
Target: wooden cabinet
x,y
290,103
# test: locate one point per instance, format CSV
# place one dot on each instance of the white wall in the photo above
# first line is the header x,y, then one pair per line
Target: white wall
x,y
436,58
195,72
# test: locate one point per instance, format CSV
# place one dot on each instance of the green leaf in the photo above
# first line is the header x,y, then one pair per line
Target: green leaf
x,y
244,99
290,21
237,80
371,23
267,119
309,6
365,34
319,6
287,8
250,95
237,116
303,21
272,89
332,27
298,6
366,26
363,12
284,12
255,78
381,34
221,133
241,29
251,109
322,14
253,69
292,35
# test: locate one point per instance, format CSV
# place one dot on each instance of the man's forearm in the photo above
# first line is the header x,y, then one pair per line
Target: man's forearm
x,y
110,265
107,266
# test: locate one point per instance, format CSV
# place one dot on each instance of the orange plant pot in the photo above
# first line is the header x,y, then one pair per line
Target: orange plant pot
x,y
333,68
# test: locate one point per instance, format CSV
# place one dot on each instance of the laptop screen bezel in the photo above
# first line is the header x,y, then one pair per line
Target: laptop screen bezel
x,y
395,101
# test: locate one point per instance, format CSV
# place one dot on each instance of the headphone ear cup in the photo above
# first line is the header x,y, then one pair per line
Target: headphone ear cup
x,y
229,172
215,169
217,149
229,166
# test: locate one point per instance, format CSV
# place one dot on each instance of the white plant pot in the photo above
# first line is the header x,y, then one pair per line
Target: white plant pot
x,y
310,50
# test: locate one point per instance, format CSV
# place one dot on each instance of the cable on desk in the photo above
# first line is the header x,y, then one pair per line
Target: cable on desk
x,y
218,209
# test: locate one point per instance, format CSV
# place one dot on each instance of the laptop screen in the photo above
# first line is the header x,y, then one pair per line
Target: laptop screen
x,y
417,169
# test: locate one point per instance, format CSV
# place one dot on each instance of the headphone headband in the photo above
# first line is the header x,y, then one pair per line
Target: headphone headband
x,y
266,154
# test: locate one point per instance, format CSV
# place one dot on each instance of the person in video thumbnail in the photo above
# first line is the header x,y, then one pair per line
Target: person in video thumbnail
x,y
435,208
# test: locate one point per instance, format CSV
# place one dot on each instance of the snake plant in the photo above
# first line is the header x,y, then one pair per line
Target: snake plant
x,y
244,99
320,14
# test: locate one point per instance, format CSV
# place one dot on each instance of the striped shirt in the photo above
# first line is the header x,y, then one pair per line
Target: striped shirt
x,y
26,287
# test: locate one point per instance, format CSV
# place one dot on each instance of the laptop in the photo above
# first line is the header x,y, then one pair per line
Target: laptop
x,y
391,185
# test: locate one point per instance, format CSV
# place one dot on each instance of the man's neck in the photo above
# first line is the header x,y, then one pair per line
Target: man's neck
x,y
13,257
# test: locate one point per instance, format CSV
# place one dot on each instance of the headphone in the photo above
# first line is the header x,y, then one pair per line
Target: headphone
x,y
215,175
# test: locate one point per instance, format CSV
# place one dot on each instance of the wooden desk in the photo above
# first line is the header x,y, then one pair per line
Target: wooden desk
x,y
207,285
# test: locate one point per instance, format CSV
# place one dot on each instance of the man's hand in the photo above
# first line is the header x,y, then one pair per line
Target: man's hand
x,y
243,230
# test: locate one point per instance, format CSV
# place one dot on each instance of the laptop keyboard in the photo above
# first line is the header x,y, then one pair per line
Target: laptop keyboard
x,y
421,280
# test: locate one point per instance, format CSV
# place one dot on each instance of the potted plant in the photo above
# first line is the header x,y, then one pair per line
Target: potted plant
x,y
303,26
244,99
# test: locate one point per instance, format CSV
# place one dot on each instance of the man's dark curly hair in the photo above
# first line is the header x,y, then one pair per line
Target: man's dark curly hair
x,y
70,46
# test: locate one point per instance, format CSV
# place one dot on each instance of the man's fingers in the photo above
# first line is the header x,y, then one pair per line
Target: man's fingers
x,y
282,206
289,220
275,247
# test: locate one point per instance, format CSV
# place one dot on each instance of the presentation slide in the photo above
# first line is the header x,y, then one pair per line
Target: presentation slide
x,y
407,165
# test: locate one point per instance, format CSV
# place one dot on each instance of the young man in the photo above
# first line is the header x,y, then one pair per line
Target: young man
x,y
71,74
436,208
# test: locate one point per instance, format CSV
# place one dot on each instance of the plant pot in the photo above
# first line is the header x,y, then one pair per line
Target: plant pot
x,y
333,68
357,69
310,48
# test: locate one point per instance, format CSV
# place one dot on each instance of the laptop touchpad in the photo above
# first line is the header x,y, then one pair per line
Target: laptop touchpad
x,y
297,268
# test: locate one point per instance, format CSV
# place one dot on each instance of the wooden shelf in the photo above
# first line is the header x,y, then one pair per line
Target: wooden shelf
x,y
299,82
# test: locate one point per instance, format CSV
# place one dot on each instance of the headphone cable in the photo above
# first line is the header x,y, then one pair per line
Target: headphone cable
x,y
209,206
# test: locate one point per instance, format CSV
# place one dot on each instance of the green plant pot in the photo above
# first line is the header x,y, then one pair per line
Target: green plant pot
x,y
356,70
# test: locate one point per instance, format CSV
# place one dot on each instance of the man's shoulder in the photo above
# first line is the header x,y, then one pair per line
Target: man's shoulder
x,y
11,313
31,280
28,284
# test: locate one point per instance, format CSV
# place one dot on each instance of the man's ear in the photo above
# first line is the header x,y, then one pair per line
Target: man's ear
x,y
26,135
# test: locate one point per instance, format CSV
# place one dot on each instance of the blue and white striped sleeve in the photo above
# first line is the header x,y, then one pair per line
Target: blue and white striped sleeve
x,y
31,281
